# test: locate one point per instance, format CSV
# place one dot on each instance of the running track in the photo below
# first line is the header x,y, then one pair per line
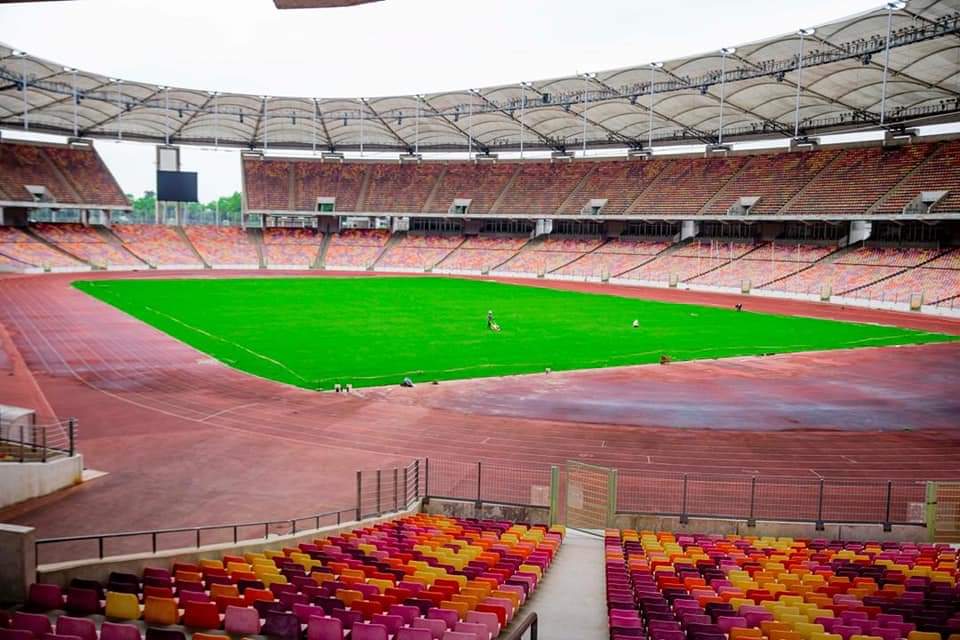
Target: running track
x,y
188,441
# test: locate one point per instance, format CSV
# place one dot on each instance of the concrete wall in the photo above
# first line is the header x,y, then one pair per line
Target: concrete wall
x,y
463,509
62,573
899,533
24,480
17,561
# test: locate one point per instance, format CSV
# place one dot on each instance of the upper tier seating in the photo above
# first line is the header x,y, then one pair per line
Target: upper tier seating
x,y
774,178
291,247
541,187
857,179
618,182
940,172
71,175
338,180
223,246
20,247
479,253
158,245
614,258
419,252
355,248
88,244
481,182
402,188
768,262
687,184
549,254
668,586
423,572
267,184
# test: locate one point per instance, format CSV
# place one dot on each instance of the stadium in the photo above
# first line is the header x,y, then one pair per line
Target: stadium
x,y
669,351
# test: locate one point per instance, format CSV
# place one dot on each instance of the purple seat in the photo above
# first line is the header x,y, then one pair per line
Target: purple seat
x,y
409,633
84,628
306,611
348,618
281,625
16,634
434,626
241,620
392,622
368,632
319,628
44,597
408,613
449,616
83,602
36,623
119,631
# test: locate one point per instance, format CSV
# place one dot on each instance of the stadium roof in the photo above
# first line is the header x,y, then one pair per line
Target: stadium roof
x,y
740,93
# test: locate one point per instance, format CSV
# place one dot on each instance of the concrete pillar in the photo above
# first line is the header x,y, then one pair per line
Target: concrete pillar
x,y
18,562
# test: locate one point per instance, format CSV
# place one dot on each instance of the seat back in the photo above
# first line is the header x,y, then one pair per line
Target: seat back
x,y
241,620
44,597
320,628
119,631
369,632
84,628
36,623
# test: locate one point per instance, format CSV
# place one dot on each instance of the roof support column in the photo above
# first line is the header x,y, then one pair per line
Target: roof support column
x,y
796,112
891,7
23,88
166,114
653,69
363,103
726,51
266,121
523,104
313,131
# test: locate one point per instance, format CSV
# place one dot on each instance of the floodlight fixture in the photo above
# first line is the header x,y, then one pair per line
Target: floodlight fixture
x,y
896,5
728,51
17,53
590,75
807,31
656,65
526,85
69,70
475,92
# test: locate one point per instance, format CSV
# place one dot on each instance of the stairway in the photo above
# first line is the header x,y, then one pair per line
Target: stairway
x,y
394,239
256,239
320,261
186,240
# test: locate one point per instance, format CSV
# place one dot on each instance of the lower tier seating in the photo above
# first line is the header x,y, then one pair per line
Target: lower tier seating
x,y
223,245
666,586
158,245
296,248
355,248
421,577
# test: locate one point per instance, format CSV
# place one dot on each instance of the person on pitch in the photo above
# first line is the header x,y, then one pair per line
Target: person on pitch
x,y
491,323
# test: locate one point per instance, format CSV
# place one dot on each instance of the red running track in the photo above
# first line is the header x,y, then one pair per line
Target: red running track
x,y
188,441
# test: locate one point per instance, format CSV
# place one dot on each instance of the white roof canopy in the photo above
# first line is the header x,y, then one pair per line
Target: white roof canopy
x,y
744,92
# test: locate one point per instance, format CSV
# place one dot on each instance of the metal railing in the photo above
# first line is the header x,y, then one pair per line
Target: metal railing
x,y
21,442
521,626
379,492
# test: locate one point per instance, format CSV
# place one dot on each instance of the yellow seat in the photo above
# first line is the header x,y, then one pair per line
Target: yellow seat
x,y
161,611
826,636
125,606
923,635
807,629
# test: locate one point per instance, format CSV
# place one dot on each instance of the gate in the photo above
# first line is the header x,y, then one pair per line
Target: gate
x,y
943,511
591,496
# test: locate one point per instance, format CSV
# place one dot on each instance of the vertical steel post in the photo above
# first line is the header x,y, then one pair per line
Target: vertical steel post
x,y
379,510
820,507
406,489
359,484
43,445
751,521
23,86
554,494
683,506
886,65
796,111
612,477
21,443
71,424
426,481
479,502
887,525
396,475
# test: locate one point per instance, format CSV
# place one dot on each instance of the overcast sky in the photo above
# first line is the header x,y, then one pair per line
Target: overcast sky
x,y
385,48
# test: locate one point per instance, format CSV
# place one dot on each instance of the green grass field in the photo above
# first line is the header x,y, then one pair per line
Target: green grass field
x,y
314,332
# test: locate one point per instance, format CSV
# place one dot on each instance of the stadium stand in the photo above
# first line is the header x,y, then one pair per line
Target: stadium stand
x,y
88,244
313,179
479,253
402,188
480,182
689,260
619,183
21,248
291,248
418,252
543,256
444,575
857,179
355,248
223,246
769,262
541,187
702,587
267,184
160,246
614,258
686,185
70,175
939,172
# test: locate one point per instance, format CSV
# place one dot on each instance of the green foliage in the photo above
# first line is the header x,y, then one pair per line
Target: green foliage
x,y
314,332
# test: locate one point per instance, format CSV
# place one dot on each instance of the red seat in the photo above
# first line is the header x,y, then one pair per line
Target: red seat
x,y
201,615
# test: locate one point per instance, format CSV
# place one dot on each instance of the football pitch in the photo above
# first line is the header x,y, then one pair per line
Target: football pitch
x,y
316,332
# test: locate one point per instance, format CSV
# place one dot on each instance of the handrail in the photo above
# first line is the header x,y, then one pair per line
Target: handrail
x,y
529,621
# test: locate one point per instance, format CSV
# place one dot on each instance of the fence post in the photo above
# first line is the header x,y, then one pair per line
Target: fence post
x,y
21,442
426,481
359,483
43,445
554,494
819,525
406,489
416,477
612,497
379,511
887,525
479,502
683,506
930,512
70,426
752,521
396,475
